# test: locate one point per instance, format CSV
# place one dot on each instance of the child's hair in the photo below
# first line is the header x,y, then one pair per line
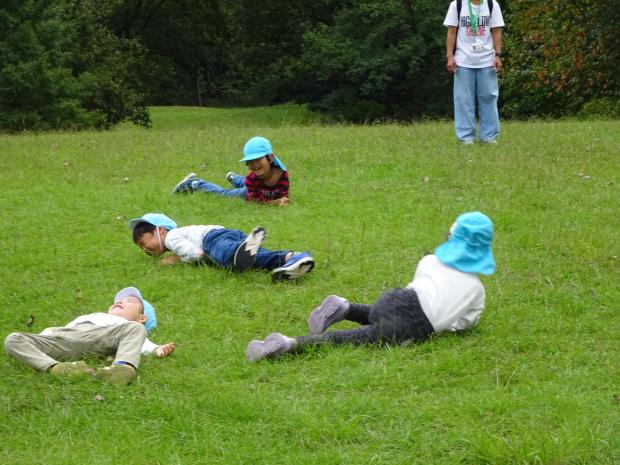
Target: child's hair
x,y
141,228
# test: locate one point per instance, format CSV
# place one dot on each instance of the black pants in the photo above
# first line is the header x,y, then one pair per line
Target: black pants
x,y
395,317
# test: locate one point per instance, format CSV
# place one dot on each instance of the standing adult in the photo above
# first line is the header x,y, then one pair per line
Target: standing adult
x,y
474,56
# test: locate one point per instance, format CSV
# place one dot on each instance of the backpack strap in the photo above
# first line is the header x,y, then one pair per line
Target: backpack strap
x,y
459,5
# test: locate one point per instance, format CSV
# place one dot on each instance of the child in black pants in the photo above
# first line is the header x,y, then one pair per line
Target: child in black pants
x,y
445,295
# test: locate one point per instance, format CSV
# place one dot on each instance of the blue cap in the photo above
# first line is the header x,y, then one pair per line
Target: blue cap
x,y
258,147
151,319
468,248
156,219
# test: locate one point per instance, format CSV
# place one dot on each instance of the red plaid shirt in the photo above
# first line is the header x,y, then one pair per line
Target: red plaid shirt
x,y
259,192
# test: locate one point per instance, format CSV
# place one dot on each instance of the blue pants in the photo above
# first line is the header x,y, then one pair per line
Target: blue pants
x,y
220,246
239,190
471,86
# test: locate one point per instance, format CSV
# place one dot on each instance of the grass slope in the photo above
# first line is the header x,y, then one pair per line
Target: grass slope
x,y
535,383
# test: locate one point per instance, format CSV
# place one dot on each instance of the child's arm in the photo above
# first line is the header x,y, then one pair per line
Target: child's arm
x,y
165,350
169,260
159,350
281,202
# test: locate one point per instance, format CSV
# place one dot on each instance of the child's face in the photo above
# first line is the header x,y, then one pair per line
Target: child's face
x,y
129,308
261,167
151,243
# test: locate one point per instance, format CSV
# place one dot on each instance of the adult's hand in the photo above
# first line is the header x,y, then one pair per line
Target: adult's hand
x,y
451,65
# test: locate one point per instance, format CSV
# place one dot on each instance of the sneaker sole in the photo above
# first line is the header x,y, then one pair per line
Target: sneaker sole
x,y
245,255
300,268
176,190
116,376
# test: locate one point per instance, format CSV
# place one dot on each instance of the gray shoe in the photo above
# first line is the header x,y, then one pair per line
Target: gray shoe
x,y
71,369
117,374
245,255
185,184
274,345
332,310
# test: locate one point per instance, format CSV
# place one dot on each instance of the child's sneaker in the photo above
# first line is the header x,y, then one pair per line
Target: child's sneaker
x,y
332,310
245,255
230,175
275,344
71,369
185,184
117,374
298,265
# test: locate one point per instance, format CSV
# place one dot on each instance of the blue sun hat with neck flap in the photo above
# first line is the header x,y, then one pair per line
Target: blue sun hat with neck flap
x,y
156,219
468,248
151,319
258,147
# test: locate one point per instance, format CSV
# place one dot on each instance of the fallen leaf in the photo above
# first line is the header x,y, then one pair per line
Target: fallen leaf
x,y
30,321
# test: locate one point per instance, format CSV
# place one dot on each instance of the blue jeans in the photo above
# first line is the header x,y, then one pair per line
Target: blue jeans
x,y
237,181
206,186
473,85
220,246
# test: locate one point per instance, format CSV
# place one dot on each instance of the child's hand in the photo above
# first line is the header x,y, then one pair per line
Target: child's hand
x,y
165,350
281,202
169,260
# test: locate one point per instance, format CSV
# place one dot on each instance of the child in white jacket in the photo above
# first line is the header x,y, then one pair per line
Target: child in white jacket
x,y
445,295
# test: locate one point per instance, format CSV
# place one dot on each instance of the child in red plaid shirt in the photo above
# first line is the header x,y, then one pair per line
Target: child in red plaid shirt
x,y
267,181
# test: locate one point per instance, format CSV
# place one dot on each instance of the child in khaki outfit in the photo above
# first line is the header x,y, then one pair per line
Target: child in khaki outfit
x,y
120,332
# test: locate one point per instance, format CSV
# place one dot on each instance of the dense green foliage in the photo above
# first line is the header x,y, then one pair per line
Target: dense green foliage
x,y
81,63
536,383
564,58
62,68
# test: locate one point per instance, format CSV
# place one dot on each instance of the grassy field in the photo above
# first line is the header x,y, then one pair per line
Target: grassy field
x,y
535,383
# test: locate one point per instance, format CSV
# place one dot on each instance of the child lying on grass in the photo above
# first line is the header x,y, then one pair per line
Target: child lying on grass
x,y
267,181
120,332
157,234
445,295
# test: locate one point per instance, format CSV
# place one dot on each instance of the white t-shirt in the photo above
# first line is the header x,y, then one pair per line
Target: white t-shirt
x,y
105,320
474,51
451,299
186,242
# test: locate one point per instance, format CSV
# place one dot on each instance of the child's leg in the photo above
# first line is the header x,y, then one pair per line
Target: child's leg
x,y
206,186
230,247
359,313
368,334
237,181
220,245
334,309
124,341
277,344
398,315
269,260
37,350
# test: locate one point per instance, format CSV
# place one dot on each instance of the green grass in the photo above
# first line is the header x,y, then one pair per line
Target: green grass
x,y
535,383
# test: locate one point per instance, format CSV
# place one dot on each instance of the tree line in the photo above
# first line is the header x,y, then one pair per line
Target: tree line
x,y
71,64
